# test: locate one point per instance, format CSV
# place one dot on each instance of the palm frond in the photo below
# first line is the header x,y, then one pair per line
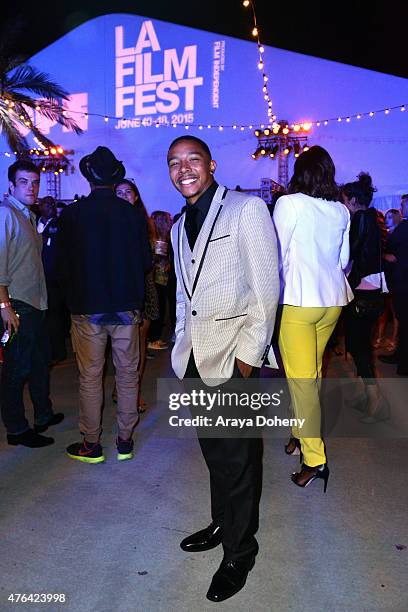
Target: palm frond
x,y
42,137
15,140
28,78
56,113
50,109
17,82
7,64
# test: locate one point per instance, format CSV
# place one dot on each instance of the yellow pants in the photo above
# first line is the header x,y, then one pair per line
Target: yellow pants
x,y
304,333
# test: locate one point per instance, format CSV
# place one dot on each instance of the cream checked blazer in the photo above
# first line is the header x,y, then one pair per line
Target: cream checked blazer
x,y
227,287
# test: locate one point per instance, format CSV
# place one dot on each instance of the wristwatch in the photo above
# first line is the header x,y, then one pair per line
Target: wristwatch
x,y
5,305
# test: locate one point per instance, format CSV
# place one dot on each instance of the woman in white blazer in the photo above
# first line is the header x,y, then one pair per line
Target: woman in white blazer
x,y
312,227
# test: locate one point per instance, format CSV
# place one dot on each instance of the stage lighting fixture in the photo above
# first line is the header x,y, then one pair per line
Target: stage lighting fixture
x,y
257,153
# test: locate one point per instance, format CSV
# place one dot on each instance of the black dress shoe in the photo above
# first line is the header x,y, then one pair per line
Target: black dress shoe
x,y
390,358
54,420
29,438
229,579
207,538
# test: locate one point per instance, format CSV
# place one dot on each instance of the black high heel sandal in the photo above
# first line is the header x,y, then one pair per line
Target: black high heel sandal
x,y
308,474
293,448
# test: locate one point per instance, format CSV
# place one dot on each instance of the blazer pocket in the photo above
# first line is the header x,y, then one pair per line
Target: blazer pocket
x,y
220,238
229,318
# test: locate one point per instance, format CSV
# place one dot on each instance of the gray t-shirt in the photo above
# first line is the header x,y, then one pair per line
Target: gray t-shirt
x,y
21,267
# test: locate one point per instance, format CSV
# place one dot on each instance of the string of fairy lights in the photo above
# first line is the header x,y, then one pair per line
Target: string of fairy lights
x,y
237,126
261,62
162,121
298,126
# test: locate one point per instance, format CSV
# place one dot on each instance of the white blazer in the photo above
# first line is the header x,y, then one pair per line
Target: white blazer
x,y
313,241
227,298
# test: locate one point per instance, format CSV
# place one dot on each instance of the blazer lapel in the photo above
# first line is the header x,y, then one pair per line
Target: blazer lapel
x,y
184,275
201,245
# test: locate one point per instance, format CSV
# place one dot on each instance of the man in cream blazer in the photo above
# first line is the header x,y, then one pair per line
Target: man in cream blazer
x,y
226,264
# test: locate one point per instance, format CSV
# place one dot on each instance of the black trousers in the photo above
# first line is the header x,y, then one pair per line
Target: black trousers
x,y
359,330
401,311
235,466
56,323
156,326
27,358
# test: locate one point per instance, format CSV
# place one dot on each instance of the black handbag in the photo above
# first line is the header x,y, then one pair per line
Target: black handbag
x,y
371,308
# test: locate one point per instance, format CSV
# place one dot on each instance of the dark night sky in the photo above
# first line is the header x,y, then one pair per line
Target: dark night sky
x,y
368,34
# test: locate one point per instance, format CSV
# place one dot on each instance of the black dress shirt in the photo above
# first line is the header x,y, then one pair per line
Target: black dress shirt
x,y
196,214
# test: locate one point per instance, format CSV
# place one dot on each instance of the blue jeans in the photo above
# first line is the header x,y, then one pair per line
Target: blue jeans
x,y
27,358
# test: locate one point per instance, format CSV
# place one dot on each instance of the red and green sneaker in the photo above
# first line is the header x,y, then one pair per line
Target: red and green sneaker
x,y
86,452
125,449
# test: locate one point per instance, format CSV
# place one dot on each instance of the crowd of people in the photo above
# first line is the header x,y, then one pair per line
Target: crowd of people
x,y
225,271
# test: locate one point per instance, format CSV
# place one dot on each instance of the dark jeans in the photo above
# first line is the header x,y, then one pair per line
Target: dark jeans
x,y
359,330
56,322
235,466
27,358
156,326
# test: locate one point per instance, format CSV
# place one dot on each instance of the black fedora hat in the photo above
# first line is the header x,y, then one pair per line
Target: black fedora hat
x,y
101,167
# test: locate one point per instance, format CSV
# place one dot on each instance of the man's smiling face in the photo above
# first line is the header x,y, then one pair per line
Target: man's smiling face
x,y
191,169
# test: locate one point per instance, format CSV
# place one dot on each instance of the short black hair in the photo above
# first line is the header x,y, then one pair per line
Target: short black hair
x,y
46,199
22,165
202,144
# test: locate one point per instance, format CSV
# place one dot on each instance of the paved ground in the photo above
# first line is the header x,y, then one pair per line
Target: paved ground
x,y
107,536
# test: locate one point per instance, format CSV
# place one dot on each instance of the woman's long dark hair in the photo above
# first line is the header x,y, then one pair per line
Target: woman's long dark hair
x,y
363,189
139,202
313,175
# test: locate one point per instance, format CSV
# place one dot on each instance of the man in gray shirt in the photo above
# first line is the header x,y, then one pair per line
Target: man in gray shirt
x,y
23,302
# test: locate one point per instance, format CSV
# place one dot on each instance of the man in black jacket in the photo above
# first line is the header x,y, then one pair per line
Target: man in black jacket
x,y
397,248
103,253
47,226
